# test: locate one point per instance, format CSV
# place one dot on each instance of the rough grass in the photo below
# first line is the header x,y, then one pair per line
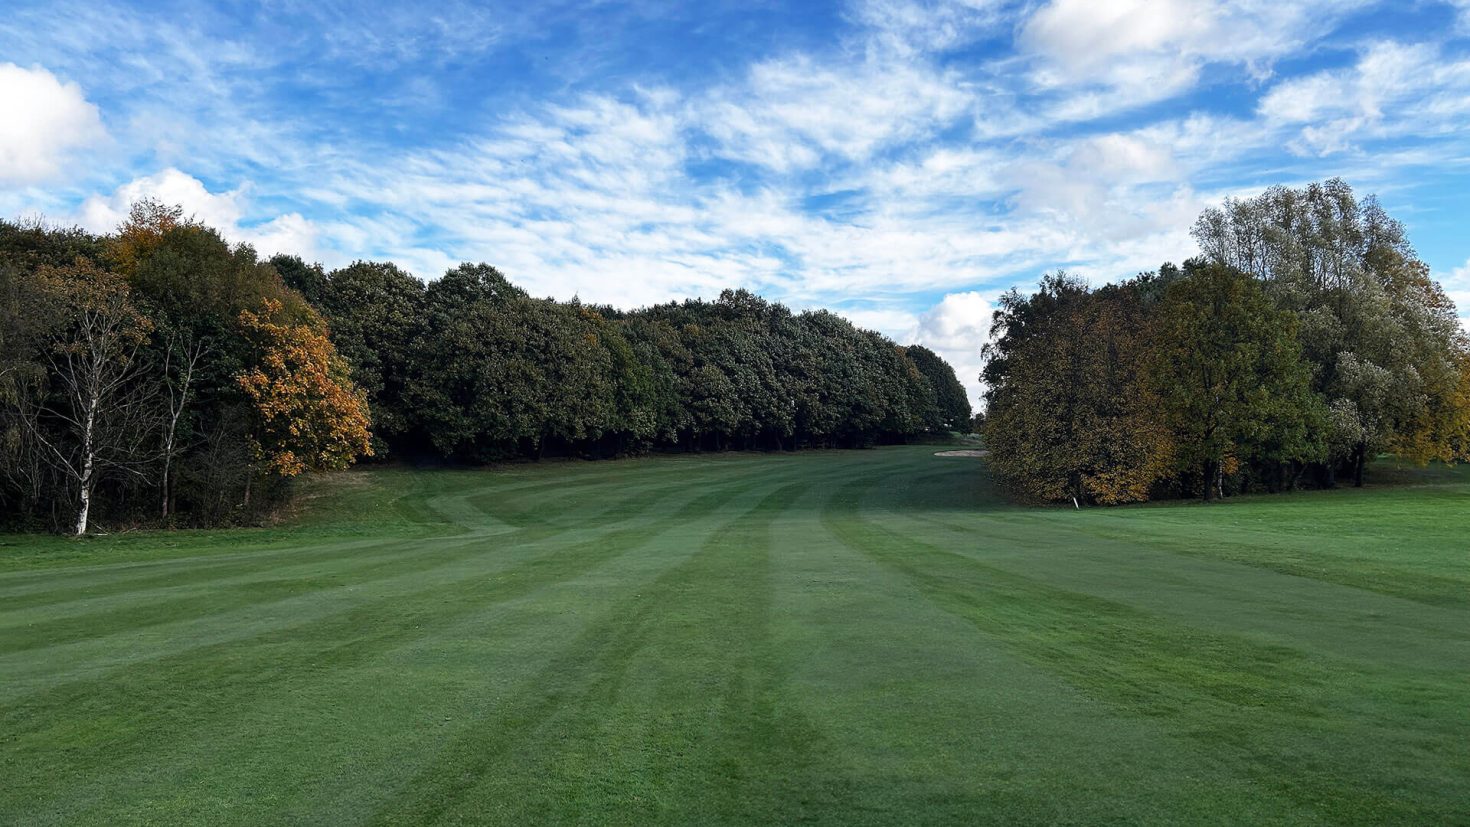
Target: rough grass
x,y
835,637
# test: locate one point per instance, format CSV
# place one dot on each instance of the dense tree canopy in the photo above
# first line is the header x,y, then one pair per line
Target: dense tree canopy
x,y
162,374
1228,371
1308,339
951,408
1071,413
1380,335
128,371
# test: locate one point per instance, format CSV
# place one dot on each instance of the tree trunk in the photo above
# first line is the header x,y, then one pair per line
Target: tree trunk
x,y
1212,470
1360,459
86,480
168,455
85,509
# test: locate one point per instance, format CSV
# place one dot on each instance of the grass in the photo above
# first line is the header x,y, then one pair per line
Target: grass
x,y
834,637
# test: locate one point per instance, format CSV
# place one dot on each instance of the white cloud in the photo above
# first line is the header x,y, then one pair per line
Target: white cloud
x,y
792,113
1393,89
1084,36
1463,7
1123,53
908,27
224,211
46,120
957,328
1106,190
1457,286
101,214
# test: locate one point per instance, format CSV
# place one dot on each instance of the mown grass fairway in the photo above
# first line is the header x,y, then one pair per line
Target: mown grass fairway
x,y
837,637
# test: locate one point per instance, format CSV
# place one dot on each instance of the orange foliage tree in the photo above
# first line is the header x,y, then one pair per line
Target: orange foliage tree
x,y
310,416
143,231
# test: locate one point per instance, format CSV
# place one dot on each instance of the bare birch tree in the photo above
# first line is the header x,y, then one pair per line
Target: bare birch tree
x,y
98,405
182,357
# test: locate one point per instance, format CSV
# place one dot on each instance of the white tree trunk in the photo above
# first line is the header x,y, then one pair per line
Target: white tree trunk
x,y
85,480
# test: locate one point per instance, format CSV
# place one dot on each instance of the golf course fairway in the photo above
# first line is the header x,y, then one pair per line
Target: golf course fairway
x,y
839,637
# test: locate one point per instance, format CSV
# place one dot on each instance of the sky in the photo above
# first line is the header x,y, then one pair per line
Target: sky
x,y
900,162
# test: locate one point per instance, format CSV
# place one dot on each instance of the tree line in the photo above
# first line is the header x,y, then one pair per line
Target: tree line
x,y
1305,341
471,368
160,375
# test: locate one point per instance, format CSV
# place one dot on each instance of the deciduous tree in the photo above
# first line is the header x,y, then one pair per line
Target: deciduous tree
x,y
309,416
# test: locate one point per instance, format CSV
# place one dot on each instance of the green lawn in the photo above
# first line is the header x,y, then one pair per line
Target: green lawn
x,y
837,637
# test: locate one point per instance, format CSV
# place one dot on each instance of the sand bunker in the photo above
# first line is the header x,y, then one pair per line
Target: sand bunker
x,y
975,453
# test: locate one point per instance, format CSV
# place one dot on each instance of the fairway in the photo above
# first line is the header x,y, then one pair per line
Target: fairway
x,y
831,637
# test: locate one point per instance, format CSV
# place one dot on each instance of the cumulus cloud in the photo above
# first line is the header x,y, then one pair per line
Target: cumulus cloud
x,y
1122,199
957,328
46,121
1104,57
101,214
224,211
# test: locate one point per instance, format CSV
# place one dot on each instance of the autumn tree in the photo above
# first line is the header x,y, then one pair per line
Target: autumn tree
x,y
1070,414
309,415
142,232
194,285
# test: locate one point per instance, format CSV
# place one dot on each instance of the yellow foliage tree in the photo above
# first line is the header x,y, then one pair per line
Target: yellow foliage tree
x,y
1444,432
310,415
148,220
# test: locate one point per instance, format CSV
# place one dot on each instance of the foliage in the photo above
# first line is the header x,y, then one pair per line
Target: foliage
x,y
1070,413
94,417
311,416
256,371
375,312
1380,335
951,407
1309,339
120,359
1228,373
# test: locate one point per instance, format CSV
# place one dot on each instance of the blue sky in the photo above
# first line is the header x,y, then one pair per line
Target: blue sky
x,y
900,161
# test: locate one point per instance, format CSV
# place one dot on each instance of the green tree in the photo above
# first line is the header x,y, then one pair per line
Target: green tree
x,y
375,313
1228,371
951,409
1378,333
